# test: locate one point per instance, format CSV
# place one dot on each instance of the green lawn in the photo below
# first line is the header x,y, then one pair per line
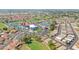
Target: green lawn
x,y
33,20
38,46
2,25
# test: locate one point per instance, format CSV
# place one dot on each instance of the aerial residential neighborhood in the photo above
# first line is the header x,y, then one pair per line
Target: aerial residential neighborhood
x,y
39,29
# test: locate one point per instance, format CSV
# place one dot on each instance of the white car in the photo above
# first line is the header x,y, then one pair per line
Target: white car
x,y
68,39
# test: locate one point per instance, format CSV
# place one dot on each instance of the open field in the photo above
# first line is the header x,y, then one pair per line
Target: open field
x,y
38,46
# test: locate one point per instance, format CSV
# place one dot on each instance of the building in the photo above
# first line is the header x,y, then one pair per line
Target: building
x,y
33,27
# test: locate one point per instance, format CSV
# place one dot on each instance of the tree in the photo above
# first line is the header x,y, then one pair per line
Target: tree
x,y
38,38
51,45
5,28
78,25
52,25
27,39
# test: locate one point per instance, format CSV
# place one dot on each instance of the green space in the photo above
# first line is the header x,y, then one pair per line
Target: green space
x,y
17,21
34,42
52,45
52,25
38,29
33,20
2,25
38,46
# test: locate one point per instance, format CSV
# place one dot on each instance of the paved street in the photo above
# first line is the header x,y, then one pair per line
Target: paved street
x,y
68,30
